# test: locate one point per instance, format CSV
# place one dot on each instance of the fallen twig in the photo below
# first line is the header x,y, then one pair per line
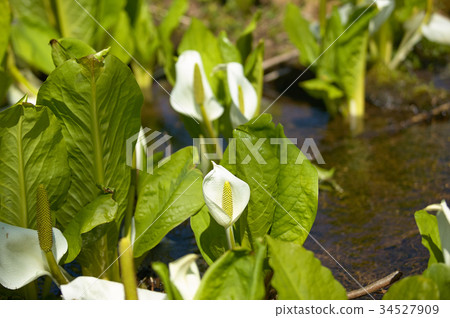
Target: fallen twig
x,y
379,284
274,61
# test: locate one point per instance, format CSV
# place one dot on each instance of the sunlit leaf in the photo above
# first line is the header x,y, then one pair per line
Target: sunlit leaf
x,y
298,275
33,153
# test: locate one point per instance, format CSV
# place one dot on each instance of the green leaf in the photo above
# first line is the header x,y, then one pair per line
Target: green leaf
x,y
167,198
238,274
5,20
120,41
102,210
413,288
146,37
66,49
210,236
197,37
169,287
31,32
328,92
245,41
33,153
351,59
327,67
440,274
428,228
254,71
298,192
170,22
298,275
300,35
97,104
75,22
228,51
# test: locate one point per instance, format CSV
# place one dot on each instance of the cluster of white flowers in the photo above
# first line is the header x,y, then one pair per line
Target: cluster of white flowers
x,y
183,99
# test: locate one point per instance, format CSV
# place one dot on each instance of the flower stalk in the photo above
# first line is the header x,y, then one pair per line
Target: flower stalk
x,y
45,233
127,270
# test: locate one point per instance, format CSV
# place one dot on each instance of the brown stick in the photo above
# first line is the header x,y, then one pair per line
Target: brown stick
x,y
273,61
379,284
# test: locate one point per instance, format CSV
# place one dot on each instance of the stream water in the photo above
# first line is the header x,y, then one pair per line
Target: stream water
x,y
369,229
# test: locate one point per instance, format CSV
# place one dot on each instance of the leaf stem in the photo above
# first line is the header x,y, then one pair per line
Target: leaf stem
x,y
209,129
63,28
230,237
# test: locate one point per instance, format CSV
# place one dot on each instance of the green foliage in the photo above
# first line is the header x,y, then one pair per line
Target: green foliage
x,y
338,58
428,227
167,198
413,288
100,211
300,34
298,275
97,104
5,20
38,22
66,49
153,43
284,190
238,274
169,287
33,153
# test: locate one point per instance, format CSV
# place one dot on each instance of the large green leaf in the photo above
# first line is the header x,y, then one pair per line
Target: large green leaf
x,y
33,152
297,197
167,198
98,105
5,20
300,35
238,274
440,274
298,275
428,228
100,211
413,288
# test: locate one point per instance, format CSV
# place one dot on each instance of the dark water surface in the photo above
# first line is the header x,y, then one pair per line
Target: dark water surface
x,y
369,229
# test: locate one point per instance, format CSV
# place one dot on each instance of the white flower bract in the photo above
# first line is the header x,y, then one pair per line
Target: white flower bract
x,y
213,185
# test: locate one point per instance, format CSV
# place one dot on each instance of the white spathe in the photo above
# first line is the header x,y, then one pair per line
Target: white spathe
x,y
437,29
236,79
213,184
443,218
185,275
21,258
182,97
92,288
